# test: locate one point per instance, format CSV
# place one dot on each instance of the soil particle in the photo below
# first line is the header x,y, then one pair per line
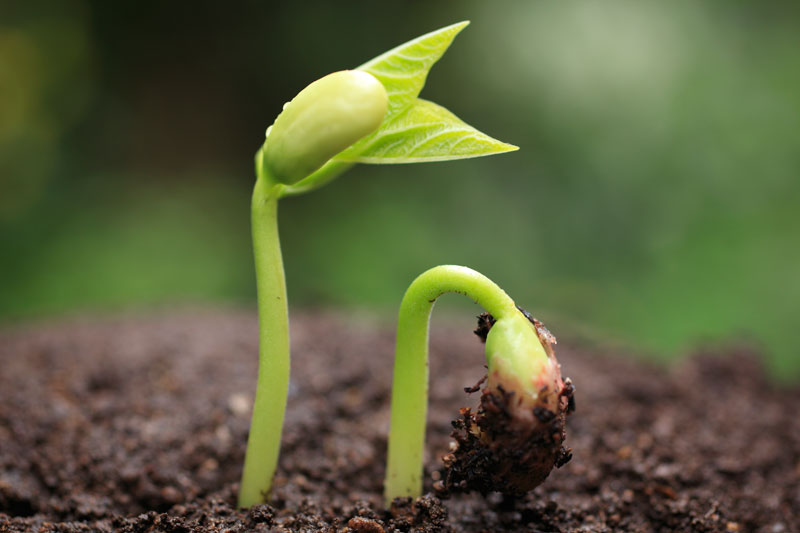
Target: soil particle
x,y
139,424
364,525
422,514
485,323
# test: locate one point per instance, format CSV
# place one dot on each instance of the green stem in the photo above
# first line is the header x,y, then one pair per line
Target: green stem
x,y
410,384
323,176
263,444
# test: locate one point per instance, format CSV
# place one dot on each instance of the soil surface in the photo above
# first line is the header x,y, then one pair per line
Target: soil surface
x,y
139,424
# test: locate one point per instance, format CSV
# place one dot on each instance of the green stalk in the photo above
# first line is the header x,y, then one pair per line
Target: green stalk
x,y
323,119
263,444
410,384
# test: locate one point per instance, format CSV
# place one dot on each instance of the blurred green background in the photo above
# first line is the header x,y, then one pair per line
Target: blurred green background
x,y
654,201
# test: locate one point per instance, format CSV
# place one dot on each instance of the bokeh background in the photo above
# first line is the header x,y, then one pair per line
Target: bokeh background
x,y
653,204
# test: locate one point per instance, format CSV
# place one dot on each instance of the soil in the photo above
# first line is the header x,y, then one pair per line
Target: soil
x,y
139,424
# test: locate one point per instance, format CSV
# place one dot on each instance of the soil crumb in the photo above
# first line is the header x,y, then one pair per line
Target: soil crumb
x,y
497,451
139,424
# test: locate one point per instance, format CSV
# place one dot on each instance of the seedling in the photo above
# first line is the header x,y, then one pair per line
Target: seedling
x,y
514,440
368,115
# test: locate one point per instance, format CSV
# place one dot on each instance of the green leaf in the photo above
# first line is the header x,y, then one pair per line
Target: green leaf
x,y
413,130
403,70
423,132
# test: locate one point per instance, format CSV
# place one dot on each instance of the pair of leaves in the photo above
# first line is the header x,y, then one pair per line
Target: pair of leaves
x,y
416,130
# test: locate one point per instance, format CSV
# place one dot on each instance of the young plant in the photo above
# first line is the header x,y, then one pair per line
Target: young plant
x,y
368,115
515,439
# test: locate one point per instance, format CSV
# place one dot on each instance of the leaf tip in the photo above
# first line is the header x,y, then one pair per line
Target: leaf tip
x,y
496,148
450,31
454,29
505,147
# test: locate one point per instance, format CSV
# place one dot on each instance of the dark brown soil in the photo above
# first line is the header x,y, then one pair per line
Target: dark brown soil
x,y
139,424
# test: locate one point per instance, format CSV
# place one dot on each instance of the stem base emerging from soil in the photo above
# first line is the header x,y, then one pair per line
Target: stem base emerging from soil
x,y
263,443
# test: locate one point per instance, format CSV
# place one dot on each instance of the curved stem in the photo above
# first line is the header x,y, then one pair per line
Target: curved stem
x,y
410,383
263,444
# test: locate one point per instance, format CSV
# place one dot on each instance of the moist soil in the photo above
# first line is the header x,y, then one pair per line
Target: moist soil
x,y
139,424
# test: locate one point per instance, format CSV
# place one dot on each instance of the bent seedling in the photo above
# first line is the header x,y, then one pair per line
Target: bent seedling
x,y
515,438
368,115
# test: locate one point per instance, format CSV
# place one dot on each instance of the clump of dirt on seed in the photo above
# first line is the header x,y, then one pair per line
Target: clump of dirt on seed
x,y
504,446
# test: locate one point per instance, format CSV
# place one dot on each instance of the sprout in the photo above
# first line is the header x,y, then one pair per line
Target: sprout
x,y
368,115
513,441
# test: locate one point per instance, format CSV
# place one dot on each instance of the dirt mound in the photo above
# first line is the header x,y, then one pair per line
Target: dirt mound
x,y
139,424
